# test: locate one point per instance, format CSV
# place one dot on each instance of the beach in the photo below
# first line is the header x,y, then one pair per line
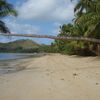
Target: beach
x,y
51,77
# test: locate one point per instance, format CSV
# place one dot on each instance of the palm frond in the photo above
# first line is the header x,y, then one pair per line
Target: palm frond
x,y
6,9
3,27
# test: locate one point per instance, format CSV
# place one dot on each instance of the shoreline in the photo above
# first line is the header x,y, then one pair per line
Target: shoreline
x,y
12,65
16,56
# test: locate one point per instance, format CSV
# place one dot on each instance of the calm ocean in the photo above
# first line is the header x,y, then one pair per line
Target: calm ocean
x,y
7,56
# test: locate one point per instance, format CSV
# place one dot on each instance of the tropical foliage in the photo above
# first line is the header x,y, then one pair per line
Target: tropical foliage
x,y
5,10
85,24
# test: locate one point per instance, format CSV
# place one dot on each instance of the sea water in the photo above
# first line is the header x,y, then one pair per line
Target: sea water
x,y
8,56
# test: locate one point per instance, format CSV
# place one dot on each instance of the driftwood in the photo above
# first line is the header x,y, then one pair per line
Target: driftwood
x,y
56,37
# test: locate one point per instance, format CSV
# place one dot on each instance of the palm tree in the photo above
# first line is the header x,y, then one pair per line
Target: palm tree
x,y
88,15
5,10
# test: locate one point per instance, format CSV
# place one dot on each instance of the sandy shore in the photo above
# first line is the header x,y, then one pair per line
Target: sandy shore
x,y
53,77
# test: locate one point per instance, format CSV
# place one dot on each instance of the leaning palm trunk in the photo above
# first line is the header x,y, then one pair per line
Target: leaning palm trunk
x,y
56,37
93,40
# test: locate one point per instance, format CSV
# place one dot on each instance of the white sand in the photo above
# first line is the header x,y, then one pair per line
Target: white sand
x,y
53,77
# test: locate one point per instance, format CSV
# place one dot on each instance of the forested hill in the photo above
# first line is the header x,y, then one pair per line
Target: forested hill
x,y
19,46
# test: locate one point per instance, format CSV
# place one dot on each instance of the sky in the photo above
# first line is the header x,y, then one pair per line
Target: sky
x,y
39,17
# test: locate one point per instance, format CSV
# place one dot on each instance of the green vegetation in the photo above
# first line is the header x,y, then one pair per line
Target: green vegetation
x,y
85,24
48,49
6,9
24,46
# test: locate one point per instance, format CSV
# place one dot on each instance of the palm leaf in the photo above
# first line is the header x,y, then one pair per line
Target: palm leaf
x,y
6,9
3,28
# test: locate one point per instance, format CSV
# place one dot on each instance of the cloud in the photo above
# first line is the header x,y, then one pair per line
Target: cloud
x,y
17,27
40,17
56,10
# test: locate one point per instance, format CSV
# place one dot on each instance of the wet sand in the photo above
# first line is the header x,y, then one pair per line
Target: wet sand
x,y
52,77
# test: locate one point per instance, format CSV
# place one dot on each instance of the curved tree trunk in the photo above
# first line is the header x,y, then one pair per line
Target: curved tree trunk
x,y
96,49
97,41
56,37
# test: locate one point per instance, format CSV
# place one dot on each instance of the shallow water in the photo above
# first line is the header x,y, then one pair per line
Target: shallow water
x,y
11,62
7,56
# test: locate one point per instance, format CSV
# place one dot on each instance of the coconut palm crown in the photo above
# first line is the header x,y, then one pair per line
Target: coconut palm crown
x,y
6,9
